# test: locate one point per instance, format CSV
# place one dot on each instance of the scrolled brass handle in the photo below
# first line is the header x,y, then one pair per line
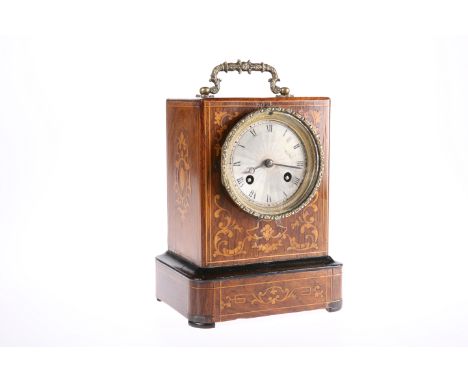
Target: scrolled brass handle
x,y
243,66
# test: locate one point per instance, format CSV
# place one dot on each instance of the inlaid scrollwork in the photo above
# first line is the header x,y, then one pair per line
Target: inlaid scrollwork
x,y
307,227
182,183
222,121
273,295
313,116
316,117
266,236
228,228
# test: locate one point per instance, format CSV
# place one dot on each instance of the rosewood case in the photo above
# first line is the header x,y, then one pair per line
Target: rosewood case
x,y
223,263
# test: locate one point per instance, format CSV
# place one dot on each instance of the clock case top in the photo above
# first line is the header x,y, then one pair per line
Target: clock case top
x,y
204,225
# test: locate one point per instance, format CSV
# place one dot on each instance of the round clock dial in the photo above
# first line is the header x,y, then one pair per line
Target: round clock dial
x,y
271,163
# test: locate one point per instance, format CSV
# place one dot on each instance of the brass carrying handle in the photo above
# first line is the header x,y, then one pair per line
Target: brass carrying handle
x,y
242,66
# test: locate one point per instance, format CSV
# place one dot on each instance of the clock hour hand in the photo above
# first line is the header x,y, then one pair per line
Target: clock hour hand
x,y
251,170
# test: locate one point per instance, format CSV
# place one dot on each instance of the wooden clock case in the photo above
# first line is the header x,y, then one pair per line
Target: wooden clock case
x,y
223,263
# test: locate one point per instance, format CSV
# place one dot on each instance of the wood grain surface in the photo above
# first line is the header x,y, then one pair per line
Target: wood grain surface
x,y
205,226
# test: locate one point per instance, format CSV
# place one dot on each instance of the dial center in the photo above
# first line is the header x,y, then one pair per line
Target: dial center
x,y
268,162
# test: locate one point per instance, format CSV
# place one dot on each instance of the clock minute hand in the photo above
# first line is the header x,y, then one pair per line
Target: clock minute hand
x,y
268,163
286,165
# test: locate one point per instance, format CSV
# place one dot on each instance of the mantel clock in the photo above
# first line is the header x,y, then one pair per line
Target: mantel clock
x,y
247,189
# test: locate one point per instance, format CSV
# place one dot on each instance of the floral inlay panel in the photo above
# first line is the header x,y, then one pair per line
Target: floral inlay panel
x,y
182,183
275,295
266,236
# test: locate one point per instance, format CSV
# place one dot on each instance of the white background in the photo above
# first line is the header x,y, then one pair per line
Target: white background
x,y
82,163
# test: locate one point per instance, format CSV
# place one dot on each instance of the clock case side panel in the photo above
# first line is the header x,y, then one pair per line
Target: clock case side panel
x,y
234,237
184,169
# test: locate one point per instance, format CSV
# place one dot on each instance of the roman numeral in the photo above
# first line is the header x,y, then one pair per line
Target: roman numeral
x,y
241,145
253,132
268,199
236,163
285,194
252,194
300,163
296,180
240,181
285,131
297,146
269,128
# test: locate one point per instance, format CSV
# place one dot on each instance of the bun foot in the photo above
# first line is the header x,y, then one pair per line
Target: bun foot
x,y
202,325
334,306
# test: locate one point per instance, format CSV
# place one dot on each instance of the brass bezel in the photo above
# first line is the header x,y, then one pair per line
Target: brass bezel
x,y
314,163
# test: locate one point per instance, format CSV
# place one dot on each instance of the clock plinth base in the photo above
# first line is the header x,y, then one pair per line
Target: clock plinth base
x,y
208,295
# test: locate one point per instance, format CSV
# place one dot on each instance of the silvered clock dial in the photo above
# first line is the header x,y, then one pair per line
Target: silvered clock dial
x,y
271,163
